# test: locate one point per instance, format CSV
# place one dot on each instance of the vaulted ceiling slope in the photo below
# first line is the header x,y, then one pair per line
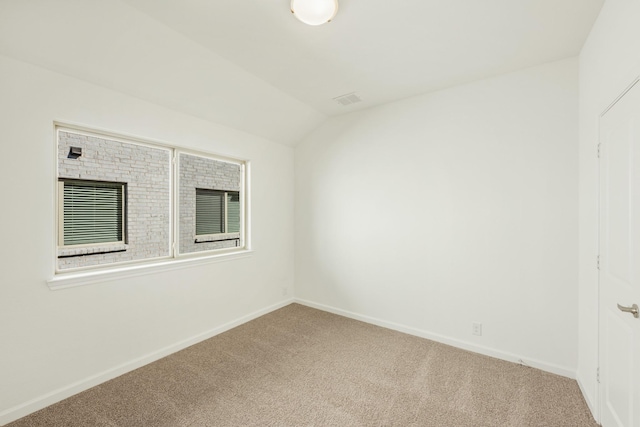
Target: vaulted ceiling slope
x,y
252,66
111,44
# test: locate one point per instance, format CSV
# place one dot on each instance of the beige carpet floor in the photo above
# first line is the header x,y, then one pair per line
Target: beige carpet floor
x,y
302,367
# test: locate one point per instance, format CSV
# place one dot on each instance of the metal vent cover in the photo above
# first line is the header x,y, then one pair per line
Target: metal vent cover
x,y
347,99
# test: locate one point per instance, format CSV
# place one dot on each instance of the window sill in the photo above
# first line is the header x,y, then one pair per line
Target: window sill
x,y
89,250
70,280
217,237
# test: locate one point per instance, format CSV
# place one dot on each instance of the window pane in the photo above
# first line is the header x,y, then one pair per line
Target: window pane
x,y
233,212
209,212
93,212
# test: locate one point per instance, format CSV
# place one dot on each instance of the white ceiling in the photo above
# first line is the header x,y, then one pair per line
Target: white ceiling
x,y
383,50
251,65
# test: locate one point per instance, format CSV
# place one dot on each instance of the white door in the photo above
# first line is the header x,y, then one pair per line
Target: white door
x,y
620,262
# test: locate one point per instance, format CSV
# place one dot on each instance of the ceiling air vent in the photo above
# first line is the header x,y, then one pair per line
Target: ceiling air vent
x,y
348,99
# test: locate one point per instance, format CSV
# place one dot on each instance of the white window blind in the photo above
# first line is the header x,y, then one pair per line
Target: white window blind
x,y
93,212
209,212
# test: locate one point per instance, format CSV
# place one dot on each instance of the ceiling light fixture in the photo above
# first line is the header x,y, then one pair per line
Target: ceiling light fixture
x,y
314,12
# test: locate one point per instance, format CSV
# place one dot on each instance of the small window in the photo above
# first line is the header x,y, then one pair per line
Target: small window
x,y
217,212
91,212
233,212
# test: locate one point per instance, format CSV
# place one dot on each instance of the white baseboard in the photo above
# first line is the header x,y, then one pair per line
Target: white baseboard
x,y
498,354
588,398
62,393
55,396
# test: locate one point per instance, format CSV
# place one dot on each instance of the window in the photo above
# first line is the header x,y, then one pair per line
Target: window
x,y
92,212
211,203
217,212
123,200
233,212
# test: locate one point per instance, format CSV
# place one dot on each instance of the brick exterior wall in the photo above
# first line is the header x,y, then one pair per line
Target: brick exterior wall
x,y
201,172
147,173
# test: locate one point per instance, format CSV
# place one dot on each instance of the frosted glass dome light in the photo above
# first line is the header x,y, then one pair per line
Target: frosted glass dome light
x,y
314,12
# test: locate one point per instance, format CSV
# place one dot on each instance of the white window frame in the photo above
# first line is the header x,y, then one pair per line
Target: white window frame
x,y
225,234
96,274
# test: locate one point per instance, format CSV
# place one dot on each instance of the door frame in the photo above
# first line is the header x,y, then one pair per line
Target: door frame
x,y
600,388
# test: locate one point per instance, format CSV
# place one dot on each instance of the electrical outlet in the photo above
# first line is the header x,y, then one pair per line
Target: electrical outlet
x,y
285,291
476,329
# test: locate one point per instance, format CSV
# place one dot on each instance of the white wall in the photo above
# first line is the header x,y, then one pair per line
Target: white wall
x,y
58,342
440,210
609,61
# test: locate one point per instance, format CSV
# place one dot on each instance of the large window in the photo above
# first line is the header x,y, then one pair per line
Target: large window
x,y
122,201
91,212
